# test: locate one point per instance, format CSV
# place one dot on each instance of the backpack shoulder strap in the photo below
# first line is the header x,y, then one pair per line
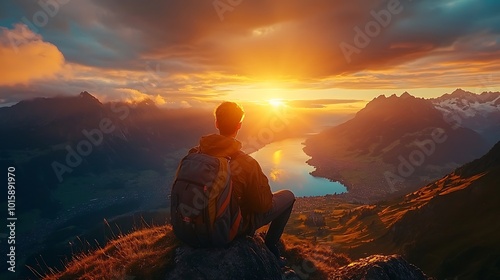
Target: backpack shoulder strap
x,y
236,155
194,150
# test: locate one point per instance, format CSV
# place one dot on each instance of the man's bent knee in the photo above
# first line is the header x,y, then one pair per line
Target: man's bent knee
x,y
286,196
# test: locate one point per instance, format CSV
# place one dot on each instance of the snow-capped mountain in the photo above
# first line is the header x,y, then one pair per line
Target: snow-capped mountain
x,y
479,112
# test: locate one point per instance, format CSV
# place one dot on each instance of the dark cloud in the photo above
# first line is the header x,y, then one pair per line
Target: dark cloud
x,y
302,40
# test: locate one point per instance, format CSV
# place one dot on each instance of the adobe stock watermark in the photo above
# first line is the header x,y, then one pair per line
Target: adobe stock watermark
x,y
95,137
277,123
363,35
416,158
223,6
39,19
11,218
424,149
153,78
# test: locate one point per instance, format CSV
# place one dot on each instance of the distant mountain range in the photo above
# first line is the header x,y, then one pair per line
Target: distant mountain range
x,y
448,228
479,112
50,140
60,120
397,144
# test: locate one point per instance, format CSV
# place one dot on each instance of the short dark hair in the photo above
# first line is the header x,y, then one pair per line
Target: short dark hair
x,y
228,115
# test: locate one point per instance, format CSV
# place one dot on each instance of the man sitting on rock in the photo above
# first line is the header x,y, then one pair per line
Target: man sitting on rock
x,y
259,206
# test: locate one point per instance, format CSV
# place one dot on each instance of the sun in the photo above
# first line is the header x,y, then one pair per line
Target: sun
x,y
276,102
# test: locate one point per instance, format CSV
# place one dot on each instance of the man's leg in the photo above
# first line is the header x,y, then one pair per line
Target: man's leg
x,y
278,215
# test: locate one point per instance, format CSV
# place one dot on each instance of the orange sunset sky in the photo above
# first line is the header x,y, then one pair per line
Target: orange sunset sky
x,y
186,53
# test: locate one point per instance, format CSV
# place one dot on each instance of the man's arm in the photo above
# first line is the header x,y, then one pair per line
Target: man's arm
x,y
257,192
262,193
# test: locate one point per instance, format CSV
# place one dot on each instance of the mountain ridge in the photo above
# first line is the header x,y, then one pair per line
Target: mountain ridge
x,y
479,112
452,219
404,141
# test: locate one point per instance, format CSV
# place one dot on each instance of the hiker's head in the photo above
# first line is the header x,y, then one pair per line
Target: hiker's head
x,y
228,118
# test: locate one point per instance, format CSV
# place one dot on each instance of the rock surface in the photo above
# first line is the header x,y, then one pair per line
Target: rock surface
x,y
249,258
379,267
246,258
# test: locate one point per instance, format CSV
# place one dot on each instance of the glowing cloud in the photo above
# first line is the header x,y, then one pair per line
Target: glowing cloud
x,y
132,95
26,57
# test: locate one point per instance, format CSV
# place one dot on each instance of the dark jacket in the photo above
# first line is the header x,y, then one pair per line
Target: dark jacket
x,y
250,185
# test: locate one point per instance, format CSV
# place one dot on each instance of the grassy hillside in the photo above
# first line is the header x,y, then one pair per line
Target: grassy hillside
x,y
149,254
146,254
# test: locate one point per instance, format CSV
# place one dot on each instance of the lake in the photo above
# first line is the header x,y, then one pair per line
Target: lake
x,y
284,163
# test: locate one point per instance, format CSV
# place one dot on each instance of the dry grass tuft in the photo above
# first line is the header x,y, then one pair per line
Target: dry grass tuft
x,y
142,254
312,261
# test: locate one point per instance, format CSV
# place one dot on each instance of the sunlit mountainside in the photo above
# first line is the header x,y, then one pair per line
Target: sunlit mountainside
x,y
396,144
448,228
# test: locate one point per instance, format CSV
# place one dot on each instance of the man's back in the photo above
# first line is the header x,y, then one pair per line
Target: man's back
x,y
251,186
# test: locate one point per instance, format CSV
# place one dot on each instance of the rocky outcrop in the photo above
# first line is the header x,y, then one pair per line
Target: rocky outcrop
x,y
249,258
246,258
379,267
